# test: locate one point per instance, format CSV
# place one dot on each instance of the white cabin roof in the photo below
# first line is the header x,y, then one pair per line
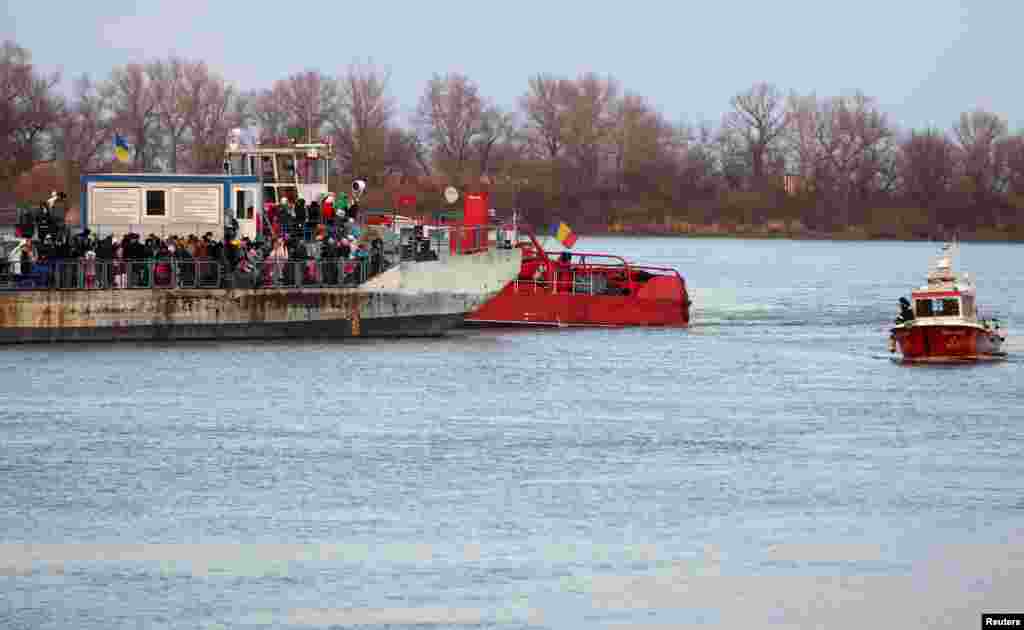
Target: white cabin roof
x,y
943,279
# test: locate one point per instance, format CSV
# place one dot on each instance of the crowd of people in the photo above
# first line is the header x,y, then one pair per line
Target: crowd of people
x,y
294,245
327,218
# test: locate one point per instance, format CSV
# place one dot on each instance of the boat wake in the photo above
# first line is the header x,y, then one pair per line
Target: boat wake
x,y
1013,345
791,307
769,316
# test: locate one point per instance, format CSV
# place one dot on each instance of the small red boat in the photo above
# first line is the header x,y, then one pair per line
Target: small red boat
x,y
943,324
584,289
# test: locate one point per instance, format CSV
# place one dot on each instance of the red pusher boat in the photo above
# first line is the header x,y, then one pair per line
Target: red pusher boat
x,y
574,288
943,323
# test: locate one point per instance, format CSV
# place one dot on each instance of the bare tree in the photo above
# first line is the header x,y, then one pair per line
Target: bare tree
x,y
85,131
802,151
404,153
927,164
170,91
496,127
269,114
699,170
978,133
733,157
310,99
212,110
1010,153
845,146
420,151
28,109
545,106
362,126
133,101
759,120
879,169
630,118
645,145
589,125
449,117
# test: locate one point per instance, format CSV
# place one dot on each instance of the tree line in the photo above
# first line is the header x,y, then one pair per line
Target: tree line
x,y
584,148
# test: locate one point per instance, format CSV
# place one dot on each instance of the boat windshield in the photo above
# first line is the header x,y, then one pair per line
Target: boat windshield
x,y
969,309
937,307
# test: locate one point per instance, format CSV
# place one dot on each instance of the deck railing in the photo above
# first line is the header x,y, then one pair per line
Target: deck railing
x,y
440,241
593,280
194,274
94,274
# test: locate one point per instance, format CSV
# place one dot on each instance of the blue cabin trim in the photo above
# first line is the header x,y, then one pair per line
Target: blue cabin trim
x,y
226,181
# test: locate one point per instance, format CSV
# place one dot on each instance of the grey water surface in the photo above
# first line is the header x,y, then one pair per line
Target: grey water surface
x,y
768,467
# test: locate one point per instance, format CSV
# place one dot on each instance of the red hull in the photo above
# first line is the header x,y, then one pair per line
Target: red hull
x,y
586,289
945,342
527,302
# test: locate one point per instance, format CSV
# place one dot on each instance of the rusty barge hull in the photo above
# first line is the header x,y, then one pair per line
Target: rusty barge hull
x,y
423,298
162,314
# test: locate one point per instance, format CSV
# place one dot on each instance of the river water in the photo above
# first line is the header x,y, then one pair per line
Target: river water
x,y
769,467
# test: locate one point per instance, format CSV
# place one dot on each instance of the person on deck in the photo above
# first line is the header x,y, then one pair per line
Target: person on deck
x,y
327,211
278,260
120,270
286,217
301,215
313,215
906,313
341,206
89,269
563,273
361,257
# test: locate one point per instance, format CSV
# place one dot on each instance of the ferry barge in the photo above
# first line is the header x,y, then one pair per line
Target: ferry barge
x,y
412,298
940,322
385,291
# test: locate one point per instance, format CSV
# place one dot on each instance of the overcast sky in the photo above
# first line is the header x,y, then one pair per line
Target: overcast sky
x,y
925,61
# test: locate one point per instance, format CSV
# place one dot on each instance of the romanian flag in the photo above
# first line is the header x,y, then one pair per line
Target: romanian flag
x,y
564,234
120,148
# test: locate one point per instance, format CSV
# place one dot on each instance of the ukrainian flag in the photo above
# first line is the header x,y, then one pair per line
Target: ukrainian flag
x,y
120,148
564,234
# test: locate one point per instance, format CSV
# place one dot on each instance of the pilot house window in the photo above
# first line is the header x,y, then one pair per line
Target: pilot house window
x,y
950,307
938,307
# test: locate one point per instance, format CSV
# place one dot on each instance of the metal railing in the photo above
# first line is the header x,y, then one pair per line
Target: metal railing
x,y
593,279
94,274
451,239
447,240
579,284
189,274
160,230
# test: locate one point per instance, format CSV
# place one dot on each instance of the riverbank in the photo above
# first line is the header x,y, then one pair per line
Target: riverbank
x,y
797,231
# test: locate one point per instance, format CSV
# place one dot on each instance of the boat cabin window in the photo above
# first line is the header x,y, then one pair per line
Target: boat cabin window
x,y
968,306
311,171
267,167
937,307
156,203
238,165
244,204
